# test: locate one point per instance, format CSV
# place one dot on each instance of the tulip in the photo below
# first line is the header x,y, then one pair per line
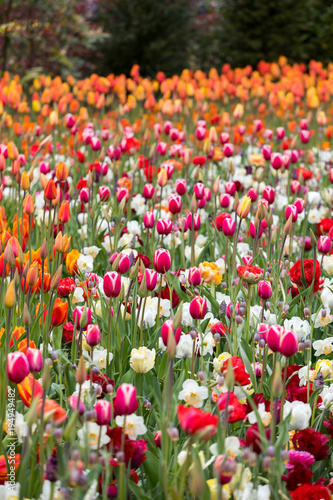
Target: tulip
x,y
253,194
241,129
59,312
168,329
253,230
93,335
295,187
198,308
291,210
35,359
114,153
224,138
230,188
95,144
148,191
224,200
194,276
294,156
112,284
304,124
69,120
149,220
84,195
17,367
208,194
28,204
199,190
175,203
264,289
103,412
104,193
169,168
162,177
273,337
122,193
193,222
262,330
331,175
257,125
324,244
200,133
181,186
224,468
305,136
158,439
174,134
280,133
244,206
125,401
124,264
228,150
228,227
286,161
276,161
64,212
288,343
162,260
82,316
167,127
202,203
61,172
50,192
151,279
299,203
164,226
77,404
162,148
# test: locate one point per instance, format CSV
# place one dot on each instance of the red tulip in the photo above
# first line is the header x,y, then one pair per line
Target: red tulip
x,y
112,284
125,401
197,423
17,367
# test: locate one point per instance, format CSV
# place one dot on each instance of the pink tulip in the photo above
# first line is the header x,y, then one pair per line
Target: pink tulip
x,y
95,144
224,138
125,401
181,186
224,200
174,134
168,329
228,150
103,412
269,194
324,245
267,151
151,279
149,220
175,203
291,210
193,222
199,190
162,148
93,335
104,193
299,203
148,191
276,161
112,284
228,227
78,318
164,226
198,307
69,120
162,260
305,136
84,195
194,276
122,193
200,133
35,359
280,133
273,337
17,367
264,289
288,343
230,188
253,194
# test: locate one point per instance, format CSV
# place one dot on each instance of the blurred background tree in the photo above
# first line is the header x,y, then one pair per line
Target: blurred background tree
x,y
109,36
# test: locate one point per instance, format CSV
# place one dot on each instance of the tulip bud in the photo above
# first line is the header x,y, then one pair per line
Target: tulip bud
x,y
313,239
167,330
276,161
56,278
175,203
82,316
288,224
142,291
10,295
273,337
277,385
150,277
81,372
103,412
228,227
162,177
135,270
181,186
149,220
193,221
17,367
148,191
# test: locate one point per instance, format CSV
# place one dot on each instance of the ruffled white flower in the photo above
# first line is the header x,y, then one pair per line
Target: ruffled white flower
x,y
301,327
134,425
327,294
89,435
305,373
78,295
172,240
327,398
193,393
133,227
100,356
328,264
93,251
85,263
10,491
300,414
323,346
142,359
264,415
184,347
138,204
205,344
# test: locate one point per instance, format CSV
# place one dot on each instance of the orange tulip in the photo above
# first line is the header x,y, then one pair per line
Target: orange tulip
x,y
64,212
3,466
59,313
25,389
52,411
71,261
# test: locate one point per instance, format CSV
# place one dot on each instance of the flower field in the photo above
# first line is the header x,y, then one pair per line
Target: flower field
x,y
166,285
